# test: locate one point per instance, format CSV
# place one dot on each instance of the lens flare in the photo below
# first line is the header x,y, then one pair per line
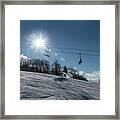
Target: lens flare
x,y
38,41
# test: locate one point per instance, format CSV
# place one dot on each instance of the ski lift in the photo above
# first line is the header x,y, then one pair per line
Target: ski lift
x,y
80,59
46,52
46,55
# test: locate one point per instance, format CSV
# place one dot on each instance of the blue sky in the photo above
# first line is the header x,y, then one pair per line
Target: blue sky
x,y
66,39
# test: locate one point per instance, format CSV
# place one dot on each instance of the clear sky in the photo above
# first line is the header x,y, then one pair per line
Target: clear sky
x,y
65,39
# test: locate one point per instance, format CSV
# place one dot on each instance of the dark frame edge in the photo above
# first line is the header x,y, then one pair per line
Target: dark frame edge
x,y
61,117
2,60
117,24
0,68
61,2
2,55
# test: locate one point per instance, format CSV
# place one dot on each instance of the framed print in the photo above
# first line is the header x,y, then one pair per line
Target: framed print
x,y
60,59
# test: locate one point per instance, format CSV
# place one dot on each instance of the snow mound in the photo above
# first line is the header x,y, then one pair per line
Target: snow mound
x,y
39,86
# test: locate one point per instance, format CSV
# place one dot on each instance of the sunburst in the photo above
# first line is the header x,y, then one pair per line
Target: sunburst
x,y
37,41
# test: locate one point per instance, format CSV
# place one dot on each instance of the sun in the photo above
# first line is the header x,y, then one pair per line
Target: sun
x,y
39,40
39,43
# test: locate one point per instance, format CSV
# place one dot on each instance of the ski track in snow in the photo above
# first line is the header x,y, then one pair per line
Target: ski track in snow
x,y
40,86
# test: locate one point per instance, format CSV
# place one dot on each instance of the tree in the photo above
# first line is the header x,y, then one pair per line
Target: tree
x,y
65,69
76,74
71,70
46,66
24,66
56,68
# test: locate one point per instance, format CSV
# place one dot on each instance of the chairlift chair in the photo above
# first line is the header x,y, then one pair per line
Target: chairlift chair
x,y
80,58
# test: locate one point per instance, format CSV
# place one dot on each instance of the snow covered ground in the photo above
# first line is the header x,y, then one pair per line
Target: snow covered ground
x,y
39,86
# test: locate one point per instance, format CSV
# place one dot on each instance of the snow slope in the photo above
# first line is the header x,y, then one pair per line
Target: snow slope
x,y
39,86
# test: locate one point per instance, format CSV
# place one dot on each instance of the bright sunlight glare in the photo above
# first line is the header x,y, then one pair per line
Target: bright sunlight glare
x,y
38,41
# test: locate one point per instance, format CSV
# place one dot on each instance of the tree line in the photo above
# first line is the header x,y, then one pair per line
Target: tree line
x,y
44,66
